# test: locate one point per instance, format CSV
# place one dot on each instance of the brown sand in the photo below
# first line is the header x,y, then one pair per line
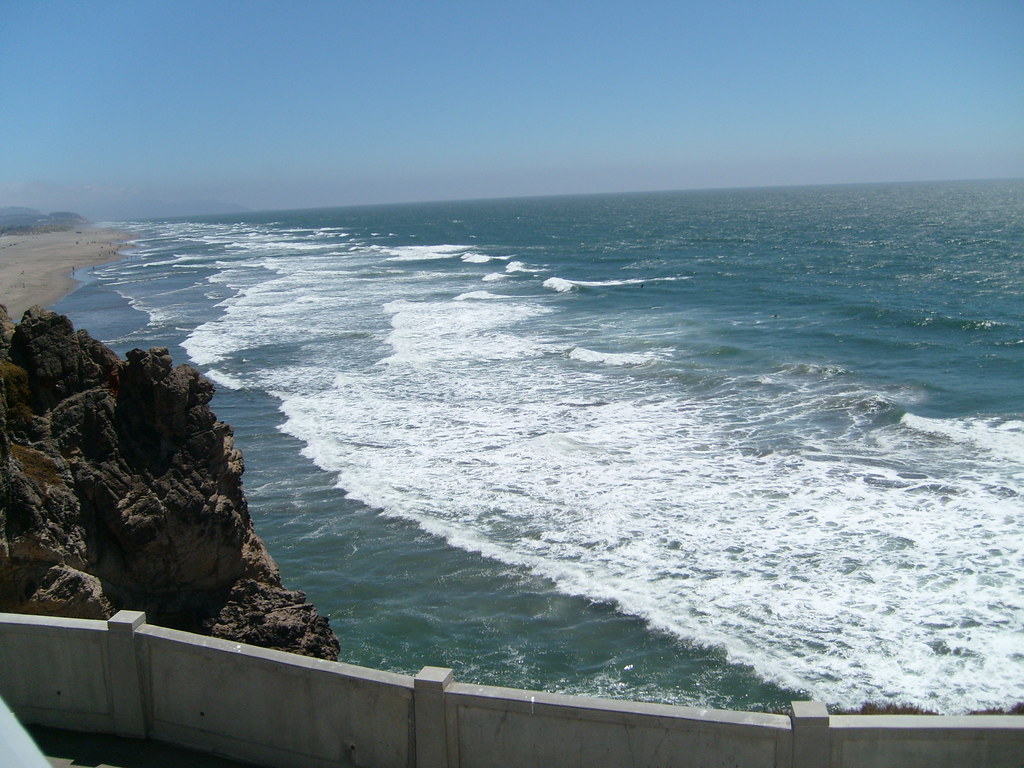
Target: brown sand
x,y
38,269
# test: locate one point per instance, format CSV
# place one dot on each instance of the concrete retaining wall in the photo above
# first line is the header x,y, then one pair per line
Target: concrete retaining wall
x,y
55,672
270,707
277,709
923,741
542,729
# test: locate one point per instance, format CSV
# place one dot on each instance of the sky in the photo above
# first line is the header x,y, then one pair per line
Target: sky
x,y
120,110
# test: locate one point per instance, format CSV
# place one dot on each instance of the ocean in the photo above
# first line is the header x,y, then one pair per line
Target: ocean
x,y
717,448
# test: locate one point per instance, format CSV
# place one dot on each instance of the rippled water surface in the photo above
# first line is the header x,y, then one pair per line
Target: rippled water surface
x,y
717,448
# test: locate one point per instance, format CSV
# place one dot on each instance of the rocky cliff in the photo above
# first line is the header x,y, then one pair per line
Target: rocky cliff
x,y
120,489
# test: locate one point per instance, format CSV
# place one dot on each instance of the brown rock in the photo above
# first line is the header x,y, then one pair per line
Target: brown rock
x,y
271,617
120,489
59,361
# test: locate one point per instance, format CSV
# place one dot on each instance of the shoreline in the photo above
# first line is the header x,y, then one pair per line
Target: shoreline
x,y
40,268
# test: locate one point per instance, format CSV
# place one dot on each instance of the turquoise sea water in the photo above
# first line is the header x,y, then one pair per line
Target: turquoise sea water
x,y
718,448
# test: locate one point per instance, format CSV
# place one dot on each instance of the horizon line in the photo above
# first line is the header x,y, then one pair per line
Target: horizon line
x,y
562,195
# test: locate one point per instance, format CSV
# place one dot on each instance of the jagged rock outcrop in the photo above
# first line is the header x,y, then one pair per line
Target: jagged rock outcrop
x,y
120,489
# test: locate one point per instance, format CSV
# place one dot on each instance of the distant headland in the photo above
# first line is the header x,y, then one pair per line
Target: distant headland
x,y
28,221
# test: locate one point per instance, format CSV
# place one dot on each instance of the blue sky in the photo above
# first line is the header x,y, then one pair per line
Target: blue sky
x,y
136,108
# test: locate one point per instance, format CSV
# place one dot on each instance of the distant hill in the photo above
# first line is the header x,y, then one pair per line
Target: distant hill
x,y
24,221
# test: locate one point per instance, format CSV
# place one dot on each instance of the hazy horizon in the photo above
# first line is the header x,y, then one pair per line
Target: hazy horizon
x,y
120,110
179,209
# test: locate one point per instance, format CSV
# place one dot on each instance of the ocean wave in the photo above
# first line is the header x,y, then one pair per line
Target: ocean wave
x,y
959,323
808,569
793,515
608,358
477,258
428,333
158,315
420,252
288,246
564,286
560,285
814,370
476,295
224,379
1002,437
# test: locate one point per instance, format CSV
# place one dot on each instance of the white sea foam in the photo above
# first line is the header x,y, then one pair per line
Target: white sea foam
x,y
427,333
158,315
805,569
812,569
225,379
518,266
1001,437
563,286
476,258
478,295
422,252
287,246
559,284
789,517
608,358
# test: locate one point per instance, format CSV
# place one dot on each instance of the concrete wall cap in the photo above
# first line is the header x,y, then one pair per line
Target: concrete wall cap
x,y
434,677
932,723
812,714
126,620
50,622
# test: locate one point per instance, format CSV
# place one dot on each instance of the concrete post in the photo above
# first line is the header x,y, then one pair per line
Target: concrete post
x,y
431,723
125,683
810,734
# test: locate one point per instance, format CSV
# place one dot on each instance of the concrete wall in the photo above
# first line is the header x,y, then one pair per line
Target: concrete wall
x,y
923,741
277,709
541,729
270,707
55,672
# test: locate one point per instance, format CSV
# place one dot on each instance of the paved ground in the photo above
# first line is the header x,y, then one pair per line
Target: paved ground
x,y
65,749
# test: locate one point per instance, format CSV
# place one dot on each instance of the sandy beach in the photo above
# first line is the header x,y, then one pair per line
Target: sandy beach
x,y
40,268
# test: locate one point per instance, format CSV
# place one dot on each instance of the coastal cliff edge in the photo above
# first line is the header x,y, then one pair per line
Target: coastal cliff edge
x,y
120,489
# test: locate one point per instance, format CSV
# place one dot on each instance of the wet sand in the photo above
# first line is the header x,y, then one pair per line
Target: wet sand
x,y
40,268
